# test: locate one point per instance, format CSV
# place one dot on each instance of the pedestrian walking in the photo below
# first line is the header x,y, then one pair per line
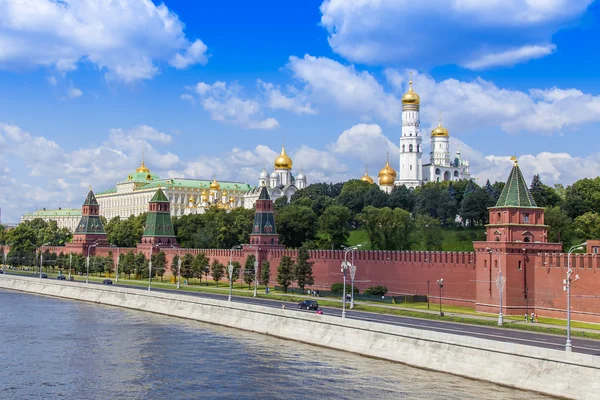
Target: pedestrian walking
x,y
536,318
526,319
532,317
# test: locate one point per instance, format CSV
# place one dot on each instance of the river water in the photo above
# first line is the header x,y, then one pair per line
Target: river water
x,y
60,349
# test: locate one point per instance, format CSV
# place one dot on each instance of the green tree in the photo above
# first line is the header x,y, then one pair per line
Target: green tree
x,y
434,200
285,272
430,232
109,263
237,270
174,263
402,197
388,229
295,225
127,264
280,203
353,194
159,264
218,270
582,197
187,267
141,266
320,204
474,206
544,196
127,232
376,197
265,273
303,273
201,266
588,225
335,223
560,226
249,269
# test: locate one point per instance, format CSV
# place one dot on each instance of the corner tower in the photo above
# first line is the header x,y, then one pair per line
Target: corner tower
x,y
411,149
505,261
158,229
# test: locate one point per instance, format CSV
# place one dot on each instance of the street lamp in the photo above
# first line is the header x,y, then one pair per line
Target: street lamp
x,y
42,258
567,288
441,283
230,269
352,275
150,267
87,262
345,266
179,268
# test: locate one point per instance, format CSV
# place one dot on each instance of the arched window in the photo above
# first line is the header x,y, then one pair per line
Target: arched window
x,y
447,176
437,171
410,148
527,240
403,150
456,174
520,267
484,264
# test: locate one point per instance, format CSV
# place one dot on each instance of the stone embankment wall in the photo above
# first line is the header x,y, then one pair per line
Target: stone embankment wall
x,y
569,375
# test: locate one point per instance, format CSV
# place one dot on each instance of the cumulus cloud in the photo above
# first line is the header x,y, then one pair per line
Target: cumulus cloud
x,y
297,102
358,92
126,39
228,103
365,142
473,33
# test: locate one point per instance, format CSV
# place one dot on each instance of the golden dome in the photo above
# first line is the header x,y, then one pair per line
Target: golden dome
x,y
204,196
411,97
231,199
366,177
387,175
192,199
440,130
225,193
283,161
215,185
143,168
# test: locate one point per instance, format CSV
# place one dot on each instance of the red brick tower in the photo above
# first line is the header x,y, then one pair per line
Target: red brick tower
x,y
515,233
90,230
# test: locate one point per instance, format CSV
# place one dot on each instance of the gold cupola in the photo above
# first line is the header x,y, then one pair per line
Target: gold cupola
x,y
143,168
283,161
411,97
192,200
204,196
215,185
440,131
366,177
387,175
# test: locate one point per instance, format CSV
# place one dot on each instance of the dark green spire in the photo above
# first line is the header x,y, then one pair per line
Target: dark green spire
x,y
515,192
90,200
159,197
158,221
264,194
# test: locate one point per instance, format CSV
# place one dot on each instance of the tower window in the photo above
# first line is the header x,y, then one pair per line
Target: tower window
x,y
520,266
403,148
411,167
410,148
525,217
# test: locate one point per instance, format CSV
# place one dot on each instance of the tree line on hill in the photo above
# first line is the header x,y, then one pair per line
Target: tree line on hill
x,y
322,215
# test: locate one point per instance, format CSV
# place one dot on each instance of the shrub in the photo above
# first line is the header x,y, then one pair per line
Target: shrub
x,y
339,288
376,290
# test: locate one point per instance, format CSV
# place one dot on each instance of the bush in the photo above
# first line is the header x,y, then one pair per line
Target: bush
x,y
376,290
339,288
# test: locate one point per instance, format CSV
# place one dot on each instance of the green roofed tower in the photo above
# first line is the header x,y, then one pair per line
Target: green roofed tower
x,y
159,228
263,229
90,230
516,217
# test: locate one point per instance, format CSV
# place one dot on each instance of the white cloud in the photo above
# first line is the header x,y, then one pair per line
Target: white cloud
x,y
52,80
297,103
511,57
438,32
74,93
358,92
227,103
127,39
188,97
367,143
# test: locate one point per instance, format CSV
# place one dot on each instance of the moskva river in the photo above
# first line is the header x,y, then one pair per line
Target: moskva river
x,y
60,349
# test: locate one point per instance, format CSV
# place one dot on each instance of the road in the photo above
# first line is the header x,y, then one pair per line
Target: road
x,y
586,346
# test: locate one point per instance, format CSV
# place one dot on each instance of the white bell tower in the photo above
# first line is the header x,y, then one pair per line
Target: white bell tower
x,y
411,148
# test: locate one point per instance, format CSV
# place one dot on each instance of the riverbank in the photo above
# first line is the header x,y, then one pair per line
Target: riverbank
x,y
569,375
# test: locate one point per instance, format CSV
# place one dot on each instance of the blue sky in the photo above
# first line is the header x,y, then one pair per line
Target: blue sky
x,y
211,88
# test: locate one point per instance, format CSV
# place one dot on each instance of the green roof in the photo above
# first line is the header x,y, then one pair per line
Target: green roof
x,y
90,224
159,197
109,191
515,192
185,184
90,200
61,212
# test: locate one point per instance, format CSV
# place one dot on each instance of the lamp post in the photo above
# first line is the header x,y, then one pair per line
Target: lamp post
x,y
42,258
150,267
440,282
70,262
179,269
4,265
345,266
567,288
87,262
230,269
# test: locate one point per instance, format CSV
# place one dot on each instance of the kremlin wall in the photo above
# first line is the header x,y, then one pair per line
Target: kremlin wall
x,y
516,249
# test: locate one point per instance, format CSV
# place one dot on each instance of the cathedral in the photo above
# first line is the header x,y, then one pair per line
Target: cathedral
x,y
279,183
413,172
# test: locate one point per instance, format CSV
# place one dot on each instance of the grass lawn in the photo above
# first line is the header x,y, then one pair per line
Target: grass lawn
x,y
454,239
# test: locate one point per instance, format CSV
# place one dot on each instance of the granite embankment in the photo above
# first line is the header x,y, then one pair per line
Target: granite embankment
x,y
569,375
